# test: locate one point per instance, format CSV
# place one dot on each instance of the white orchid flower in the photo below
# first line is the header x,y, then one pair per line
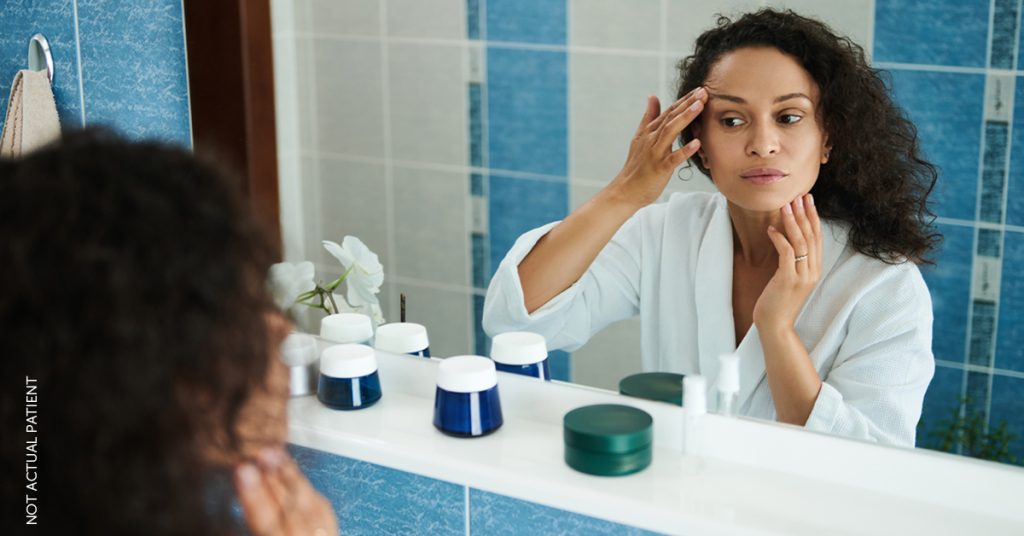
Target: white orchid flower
x,y
365,273
288,281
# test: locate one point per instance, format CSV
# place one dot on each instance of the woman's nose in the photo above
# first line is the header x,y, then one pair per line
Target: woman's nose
x,y
764,141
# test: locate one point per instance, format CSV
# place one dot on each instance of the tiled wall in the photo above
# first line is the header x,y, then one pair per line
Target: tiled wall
x,y
118,62
956,70
372,499
439,134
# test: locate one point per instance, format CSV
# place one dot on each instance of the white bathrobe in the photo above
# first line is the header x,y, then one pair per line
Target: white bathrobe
x,y
867,325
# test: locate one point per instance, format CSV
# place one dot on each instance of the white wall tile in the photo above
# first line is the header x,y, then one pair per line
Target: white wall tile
x,y
428,103
293,228
352,201
349,100
609,356
852,18
431,238
687,19
607,99
341,17
441,19
286,94
615,24
445,313
282,17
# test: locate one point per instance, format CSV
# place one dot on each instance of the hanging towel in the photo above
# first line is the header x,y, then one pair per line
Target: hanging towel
x,y
31,115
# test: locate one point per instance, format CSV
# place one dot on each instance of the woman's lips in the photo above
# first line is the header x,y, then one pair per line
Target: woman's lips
x,y
761,176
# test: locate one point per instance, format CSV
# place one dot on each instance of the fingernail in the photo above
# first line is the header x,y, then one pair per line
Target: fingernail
x,y
248,475
810,199
693,144
699,92
772,228
799,205
787,209
696,105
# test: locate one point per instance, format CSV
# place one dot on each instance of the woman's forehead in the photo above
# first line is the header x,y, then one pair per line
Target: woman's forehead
x,y
761,75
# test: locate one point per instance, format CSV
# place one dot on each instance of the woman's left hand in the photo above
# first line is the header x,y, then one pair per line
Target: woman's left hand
x,y
799,250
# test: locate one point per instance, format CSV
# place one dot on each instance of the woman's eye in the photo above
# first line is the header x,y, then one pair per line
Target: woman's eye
x,y
731,121
789,119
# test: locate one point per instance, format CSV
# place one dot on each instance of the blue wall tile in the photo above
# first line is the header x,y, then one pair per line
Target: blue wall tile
x,y
560,365
371,499
993,171
490,513
1008,405
527,111
989,242
1015,189
134,68
1004,34
473,19
1010,343
932,32
518,205
481,342
941,399
55,19
527,21
983,324
950,140
950,285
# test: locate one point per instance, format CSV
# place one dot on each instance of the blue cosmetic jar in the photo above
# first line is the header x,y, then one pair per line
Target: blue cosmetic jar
x,y
348,377
402,338
521,352
466,403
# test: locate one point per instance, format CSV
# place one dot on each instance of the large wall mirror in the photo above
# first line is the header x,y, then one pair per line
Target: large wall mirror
x,y
437,132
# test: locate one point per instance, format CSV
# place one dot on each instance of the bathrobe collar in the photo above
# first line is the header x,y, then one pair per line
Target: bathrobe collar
x,y
716,329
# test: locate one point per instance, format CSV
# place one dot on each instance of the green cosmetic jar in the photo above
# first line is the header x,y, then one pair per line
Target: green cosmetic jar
x,y
660,386
608,439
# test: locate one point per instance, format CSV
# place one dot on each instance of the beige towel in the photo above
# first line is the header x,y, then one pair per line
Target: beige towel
x,y
31,115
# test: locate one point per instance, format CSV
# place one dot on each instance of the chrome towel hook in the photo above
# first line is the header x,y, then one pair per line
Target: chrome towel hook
x,y
39,57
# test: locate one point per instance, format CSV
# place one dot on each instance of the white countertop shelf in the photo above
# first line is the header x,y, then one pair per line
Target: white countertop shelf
x,y
751,478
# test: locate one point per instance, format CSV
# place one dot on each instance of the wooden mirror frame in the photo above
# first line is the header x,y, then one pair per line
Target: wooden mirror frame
x,y
231,91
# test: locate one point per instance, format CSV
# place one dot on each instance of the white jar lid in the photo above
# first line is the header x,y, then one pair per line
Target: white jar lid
x,y
298,349
466,374
519,348
348,361
401,338
346,328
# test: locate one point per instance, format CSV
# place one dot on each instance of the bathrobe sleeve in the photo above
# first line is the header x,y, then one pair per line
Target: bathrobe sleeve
x,y
607,292
877,383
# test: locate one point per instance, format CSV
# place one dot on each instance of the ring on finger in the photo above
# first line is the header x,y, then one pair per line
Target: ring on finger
x,y
800,258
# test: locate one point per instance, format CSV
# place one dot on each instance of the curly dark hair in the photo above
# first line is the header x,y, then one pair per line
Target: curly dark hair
x,y
876,180
133,297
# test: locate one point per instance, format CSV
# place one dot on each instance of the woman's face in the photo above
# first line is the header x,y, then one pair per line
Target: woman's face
x,y
760,135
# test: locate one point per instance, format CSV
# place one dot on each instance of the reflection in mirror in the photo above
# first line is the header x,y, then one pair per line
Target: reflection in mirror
x,y
439,134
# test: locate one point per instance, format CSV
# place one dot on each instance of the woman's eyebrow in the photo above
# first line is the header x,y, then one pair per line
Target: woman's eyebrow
x,y
741,100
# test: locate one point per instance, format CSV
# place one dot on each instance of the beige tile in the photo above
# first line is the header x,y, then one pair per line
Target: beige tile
x,y
351,201
342,17
428,95
607,99
615,24
349,104
431,235
441,19
609,356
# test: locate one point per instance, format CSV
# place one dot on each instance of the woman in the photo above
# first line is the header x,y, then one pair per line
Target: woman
x,y
134,307
803,263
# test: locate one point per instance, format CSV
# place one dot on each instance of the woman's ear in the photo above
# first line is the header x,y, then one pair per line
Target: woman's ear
x,y
695,130
826,150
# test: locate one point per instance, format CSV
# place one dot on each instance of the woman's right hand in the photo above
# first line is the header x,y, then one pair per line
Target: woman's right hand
x,y
278,501
651,159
